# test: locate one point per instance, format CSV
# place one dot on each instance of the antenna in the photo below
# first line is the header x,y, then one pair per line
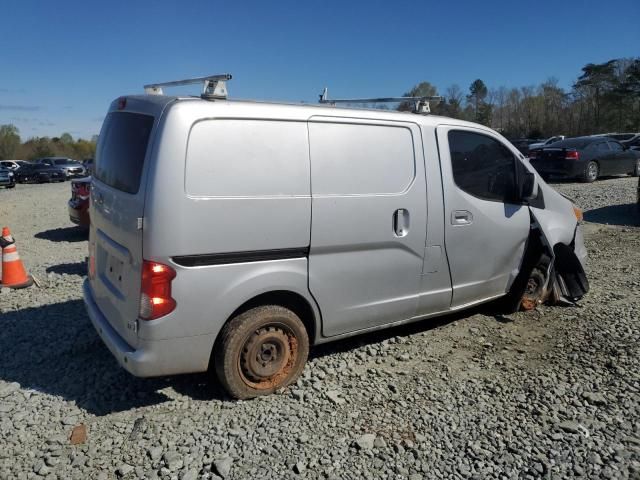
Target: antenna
x,y
420,104
213,86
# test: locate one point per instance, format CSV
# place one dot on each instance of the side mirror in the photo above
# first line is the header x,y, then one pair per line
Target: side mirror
x,y
527,186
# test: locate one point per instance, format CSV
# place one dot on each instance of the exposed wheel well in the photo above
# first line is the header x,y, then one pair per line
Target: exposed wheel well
x,y
574,280
535,253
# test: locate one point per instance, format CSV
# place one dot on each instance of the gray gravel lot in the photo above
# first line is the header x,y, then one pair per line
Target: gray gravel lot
x,y
549,394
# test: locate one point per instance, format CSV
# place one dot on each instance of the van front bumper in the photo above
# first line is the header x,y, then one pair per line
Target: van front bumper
x,y
151,358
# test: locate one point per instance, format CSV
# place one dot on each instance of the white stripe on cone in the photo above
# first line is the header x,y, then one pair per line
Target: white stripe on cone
x,y
10,257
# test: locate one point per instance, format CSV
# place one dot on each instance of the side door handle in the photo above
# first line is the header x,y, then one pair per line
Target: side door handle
x,y
401,222
461,217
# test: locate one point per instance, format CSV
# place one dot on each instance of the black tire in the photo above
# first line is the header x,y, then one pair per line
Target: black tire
x,y
260,351
11,186
591,172
636,170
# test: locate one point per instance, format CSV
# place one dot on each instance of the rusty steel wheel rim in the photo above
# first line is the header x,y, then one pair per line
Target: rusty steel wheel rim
x,y
268,356
533,293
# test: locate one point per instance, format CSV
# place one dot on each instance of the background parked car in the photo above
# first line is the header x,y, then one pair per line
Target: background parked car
x,y
12,164
78,205
546,142
633,143
71,168
621,137
7,178
39,173
522,144
586,158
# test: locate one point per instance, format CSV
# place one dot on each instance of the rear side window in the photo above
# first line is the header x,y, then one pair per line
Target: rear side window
x,y
482,166
121,150
358,159
616,147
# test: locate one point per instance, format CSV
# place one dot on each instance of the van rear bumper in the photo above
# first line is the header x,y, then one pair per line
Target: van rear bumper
x,y
151,358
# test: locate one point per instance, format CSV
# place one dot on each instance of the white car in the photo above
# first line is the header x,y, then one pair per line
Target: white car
x,y
548,141
12,164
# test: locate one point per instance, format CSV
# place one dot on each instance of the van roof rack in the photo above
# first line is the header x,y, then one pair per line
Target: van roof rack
x,y
420,104
213,86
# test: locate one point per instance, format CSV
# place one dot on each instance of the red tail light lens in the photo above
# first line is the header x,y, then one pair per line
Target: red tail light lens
x,y
83,189
155,294
572,155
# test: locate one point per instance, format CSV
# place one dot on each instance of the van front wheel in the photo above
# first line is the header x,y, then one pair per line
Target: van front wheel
x,y
260,351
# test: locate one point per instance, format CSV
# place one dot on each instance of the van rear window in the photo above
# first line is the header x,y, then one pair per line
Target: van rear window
x,y
121,149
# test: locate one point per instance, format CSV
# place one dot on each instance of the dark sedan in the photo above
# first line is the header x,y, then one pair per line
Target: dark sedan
x,y
586,158
39,173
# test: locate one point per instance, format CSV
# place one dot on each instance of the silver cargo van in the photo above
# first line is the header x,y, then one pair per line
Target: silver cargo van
x,y
232,235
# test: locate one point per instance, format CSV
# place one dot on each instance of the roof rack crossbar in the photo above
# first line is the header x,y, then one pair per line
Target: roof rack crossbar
x,y
421,104
213,86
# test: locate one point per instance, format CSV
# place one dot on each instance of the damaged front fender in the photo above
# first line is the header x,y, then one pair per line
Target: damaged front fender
x,y
553,268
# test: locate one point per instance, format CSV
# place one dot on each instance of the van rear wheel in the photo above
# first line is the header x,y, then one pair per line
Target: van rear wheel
x,y
260,351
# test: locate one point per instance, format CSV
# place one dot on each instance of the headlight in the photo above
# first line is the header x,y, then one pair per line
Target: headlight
x,y
11,174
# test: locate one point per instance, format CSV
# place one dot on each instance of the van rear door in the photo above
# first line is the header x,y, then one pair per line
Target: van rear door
x,y
117,208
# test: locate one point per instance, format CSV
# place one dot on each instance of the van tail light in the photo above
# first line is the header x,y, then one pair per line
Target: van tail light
x,y
155,292
572,155
533,154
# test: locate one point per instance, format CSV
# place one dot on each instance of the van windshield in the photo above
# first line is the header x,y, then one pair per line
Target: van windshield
x,y
121,149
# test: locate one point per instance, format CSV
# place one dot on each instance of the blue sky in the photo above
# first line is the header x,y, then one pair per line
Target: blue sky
x,y
61,63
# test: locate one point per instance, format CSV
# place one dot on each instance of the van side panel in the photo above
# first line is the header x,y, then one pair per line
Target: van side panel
x,y
246,192
227,191
368,223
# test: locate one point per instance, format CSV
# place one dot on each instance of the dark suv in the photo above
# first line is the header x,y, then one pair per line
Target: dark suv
x,y
71,168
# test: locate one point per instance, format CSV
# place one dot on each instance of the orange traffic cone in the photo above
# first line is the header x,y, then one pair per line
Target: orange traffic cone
x,y
13,273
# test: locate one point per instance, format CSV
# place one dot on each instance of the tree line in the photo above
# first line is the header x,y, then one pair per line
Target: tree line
x,y
604,98
13,148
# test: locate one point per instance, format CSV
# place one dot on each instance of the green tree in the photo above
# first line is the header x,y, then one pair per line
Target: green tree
x,y
9,141
452,106
597,80
66,138
40,147
477,93
423,89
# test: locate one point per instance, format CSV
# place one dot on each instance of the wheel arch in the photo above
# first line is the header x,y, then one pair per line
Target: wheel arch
x,y
294,301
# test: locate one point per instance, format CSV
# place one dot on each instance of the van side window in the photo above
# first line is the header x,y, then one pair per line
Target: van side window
x,y
482,166
360,159
247,158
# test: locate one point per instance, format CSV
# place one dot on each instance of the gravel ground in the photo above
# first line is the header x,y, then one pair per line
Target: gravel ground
x,y
549,394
